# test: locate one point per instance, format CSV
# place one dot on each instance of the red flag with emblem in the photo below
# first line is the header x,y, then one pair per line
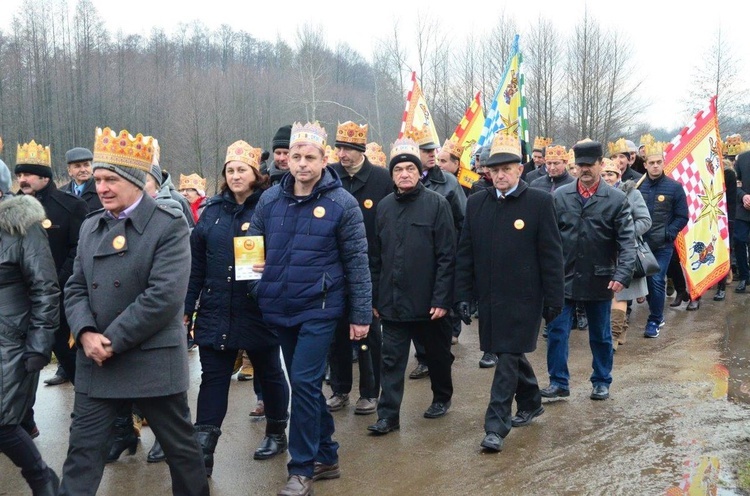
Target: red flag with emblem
x,y
693,158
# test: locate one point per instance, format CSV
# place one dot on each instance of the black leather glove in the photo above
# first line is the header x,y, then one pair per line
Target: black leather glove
x,y
35,362
551,313
463,310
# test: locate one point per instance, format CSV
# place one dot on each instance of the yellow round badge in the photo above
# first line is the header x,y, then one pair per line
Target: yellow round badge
x,y
519,224
245,226
319,212
46,223
660,198
368,203
118,242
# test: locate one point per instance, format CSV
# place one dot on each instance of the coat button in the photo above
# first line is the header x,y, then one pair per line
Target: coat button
x,y
223,336
121,254
230,268
117,284
94,285
221,347
229,279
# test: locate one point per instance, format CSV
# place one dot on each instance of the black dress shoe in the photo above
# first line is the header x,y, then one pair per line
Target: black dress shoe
x,y
554,392
437,410
681,297
492,442
56,380
488,360
524,417
741,286
420,372
156,453
720,295
694,304
383,426
599,392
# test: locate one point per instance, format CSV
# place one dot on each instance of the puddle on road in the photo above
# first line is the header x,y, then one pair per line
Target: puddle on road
x,y
734,371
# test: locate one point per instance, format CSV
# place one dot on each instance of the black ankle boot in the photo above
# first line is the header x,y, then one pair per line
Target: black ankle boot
x,y
156,454
208,437
43,483
275,441
125,438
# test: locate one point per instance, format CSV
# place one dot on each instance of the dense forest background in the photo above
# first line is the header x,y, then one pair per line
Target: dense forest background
x,y
62,74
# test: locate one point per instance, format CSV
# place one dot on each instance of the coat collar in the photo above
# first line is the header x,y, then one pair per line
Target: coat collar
x,y
359,179
139,218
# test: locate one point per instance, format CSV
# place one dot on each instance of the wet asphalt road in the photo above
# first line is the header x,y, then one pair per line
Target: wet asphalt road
x,y
676,423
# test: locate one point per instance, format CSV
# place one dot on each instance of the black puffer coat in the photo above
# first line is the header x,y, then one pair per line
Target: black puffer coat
x,y
29,302
228,316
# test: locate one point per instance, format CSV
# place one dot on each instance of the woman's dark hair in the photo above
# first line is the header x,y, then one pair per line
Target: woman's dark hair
x,y
262,181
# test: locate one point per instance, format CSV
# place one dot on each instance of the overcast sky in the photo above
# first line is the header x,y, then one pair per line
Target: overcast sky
x,y
667,37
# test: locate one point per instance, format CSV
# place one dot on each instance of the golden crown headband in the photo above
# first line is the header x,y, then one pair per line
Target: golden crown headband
x,y
123,149
556,152
33,154
618,147
352,133
404,146
311,133
453,149
243,152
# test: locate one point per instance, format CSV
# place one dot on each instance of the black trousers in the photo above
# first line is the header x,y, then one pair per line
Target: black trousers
x,y
674,272
66,356
514,377
435,335
92,427
340,360
18,446
216,377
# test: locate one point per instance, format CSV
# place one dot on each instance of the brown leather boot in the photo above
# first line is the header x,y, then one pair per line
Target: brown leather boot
x,y
617,319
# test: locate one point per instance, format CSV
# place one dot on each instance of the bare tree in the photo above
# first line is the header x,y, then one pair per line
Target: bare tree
x,y
543,69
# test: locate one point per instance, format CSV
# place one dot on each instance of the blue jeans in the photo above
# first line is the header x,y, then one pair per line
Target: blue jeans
x,y
310,425
657,285
600,341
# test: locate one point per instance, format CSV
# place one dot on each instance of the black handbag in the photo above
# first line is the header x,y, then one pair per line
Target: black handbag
x,y
645,261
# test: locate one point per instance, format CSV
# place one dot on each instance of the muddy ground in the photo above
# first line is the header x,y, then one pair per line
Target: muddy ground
x,y
676,423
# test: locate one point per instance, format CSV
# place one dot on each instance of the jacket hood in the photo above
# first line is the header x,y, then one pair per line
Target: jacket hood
x,y
19,213
328,180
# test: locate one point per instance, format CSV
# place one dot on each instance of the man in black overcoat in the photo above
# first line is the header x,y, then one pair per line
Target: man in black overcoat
x,y
523,244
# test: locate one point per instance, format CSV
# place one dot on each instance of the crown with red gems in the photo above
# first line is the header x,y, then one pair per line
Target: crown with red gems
x,y
404,146
453,148
311,133
421,136
505,143
32,154
556,152
375,154
350,132
123,149
192,181
243,152
733,145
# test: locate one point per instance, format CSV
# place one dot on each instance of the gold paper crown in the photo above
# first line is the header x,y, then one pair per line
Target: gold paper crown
x,y
242,152
350,132
505,143
375,154
652,147
733,145
404,146
453,148
609,166
646,138
571,156
157,152
333,157
193,181
123,149
556,152
32,154
421,136
618,147
311,133
540,142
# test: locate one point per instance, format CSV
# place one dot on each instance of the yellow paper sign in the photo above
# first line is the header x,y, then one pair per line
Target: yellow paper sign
x,y
248,251
466,177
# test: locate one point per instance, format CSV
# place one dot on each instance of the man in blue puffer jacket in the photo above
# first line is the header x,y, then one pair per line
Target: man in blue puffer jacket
x,y
316,258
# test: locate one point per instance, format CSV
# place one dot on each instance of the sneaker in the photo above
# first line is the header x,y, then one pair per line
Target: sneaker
x,y
337,402
366,406
652,330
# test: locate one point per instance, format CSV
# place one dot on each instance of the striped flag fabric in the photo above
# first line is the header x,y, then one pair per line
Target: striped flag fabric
x,y
468,131
505,111
416,113
693,158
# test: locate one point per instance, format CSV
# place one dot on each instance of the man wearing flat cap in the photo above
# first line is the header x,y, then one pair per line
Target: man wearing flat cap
x,y
124,303
368,185
65,213
598,239
509,235
81,181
